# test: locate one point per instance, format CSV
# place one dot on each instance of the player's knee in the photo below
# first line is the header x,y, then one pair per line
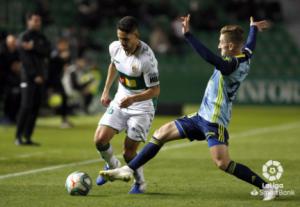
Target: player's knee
x,y
161,134
100,138
221,164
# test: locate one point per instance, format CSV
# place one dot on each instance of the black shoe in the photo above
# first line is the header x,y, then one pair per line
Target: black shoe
x,y
31,143
19,142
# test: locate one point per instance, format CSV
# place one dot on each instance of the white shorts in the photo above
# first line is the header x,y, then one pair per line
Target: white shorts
x,y
136,123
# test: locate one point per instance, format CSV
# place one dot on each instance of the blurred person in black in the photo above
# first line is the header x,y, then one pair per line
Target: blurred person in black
x,y
34,51
59,60
3,35
11,65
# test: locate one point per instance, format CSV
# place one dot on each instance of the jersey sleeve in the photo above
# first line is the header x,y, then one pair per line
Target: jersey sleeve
x,y
113,47
225,66
251,42
150,71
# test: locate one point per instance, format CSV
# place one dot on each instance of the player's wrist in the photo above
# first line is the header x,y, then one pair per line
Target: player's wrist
x,y
186,34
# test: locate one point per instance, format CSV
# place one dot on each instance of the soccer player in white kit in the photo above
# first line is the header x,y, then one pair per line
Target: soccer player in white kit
x,y
133,106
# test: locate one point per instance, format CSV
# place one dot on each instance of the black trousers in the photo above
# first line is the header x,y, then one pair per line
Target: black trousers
x,y
12,100
31,98
64,109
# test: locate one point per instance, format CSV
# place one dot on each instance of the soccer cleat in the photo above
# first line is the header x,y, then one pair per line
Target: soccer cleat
x,y
31,143
270,192
100,179
124,173
66,125
19,142
138,188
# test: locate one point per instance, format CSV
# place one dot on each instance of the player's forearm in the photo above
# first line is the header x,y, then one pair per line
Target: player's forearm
x,y
224,66
251,40
203,51
148,94
111,76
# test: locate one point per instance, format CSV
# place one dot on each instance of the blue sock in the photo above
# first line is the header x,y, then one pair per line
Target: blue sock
x,y
244,173
147,153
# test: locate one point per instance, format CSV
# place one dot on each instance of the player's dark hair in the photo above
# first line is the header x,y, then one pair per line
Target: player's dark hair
x,y
234,33
32,13
128,24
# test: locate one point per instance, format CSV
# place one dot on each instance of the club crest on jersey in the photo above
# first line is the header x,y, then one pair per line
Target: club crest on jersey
x,y
134,69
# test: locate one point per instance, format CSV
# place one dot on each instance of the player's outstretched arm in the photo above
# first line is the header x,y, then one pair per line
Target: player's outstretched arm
x,y
254,27
224,66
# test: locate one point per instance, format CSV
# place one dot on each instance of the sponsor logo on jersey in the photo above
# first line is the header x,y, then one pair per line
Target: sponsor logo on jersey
x,y
153,77
125,81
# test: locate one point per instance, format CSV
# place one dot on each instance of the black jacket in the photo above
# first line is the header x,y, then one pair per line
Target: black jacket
x,y
34,61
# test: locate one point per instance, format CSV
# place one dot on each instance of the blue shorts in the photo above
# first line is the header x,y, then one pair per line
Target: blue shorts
x,y
194,127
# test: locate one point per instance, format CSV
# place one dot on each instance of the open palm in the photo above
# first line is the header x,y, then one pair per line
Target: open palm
x,y
261,25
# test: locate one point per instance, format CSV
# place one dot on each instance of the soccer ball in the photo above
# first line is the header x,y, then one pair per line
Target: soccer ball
x,y
78,183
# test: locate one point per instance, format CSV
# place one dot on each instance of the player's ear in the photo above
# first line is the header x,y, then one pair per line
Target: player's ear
x,y
231,46
137,34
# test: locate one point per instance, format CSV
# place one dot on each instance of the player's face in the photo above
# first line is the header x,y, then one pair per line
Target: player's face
x,y
129,41
225,46
35,22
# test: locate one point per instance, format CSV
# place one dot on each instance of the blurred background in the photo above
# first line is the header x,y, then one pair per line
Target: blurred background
x,y
81,30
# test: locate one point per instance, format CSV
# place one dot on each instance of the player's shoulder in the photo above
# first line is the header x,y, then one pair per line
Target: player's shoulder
x,y
244,57
146,52
114,45
147,56
146,49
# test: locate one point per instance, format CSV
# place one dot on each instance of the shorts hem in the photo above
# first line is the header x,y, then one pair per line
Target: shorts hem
x,y
118,131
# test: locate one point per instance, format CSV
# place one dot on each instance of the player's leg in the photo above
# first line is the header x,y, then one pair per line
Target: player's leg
x,y
166,133
221,158
102,137
138,126
112,122
32,117
25,110
130,151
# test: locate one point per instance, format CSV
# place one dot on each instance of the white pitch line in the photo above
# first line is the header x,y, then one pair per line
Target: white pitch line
x,y
28,155
253,132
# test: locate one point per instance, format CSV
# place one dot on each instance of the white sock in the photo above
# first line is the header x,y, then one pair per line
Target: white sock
x,y
139,175
109,158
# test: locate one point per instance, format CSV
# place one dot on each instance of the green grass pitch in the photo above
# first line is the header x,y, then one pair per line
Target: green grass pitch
x,y
181,175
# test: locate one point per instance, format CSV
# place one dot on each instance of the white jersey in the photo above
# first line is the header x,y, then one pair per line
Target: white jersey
x,y
137,73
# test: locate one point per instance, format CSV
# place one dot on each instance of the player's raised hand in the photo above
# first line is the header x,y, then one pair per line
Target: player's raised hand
x,y
105,100
185,23
261,25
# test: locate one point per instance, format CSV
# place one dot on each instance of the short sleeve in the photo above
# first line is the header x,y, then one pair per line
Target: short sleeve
x,y
113,48
150,71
